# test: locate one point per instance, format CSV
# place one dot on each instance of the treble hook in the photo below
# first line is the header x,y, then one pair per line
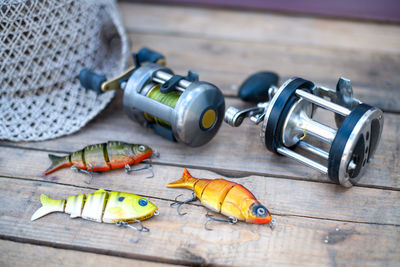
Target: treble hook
x,y
272,224
90,173
149,167
139,230
180,203
230,220
156,153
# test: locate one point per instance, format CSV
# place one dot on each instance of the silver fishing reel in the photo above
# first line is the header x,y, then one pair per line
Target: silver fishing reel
x,y
180,108
288,118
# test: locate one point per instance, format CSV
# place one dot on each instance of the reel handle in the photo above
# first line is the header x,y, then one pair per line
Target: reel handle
x,y
148,55
99,83
92,81
255,87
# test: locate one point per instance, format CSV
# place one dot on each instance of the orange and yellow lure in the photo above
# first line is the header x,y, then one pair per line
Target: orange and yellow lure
x,y
225,197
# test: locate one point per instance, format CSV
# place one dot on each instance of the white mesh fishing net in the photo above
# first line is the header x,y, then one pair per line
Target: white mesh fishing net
x,y
43,46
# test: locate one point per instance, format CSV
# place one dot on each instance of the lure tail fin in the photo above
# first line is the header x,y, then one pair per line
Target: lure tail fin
x,y
187,181
49,205
57,162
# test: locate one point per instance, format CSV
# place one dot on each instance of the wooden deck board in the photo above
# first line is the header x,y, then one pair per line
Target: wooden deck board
x,y
327,201
263,27
182,239
34,255
225,47
233,151
227,63
363,222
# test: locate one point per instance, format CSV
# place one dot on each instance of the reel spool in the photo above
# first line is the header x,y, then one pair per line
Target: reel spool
x,y
288,116
179,108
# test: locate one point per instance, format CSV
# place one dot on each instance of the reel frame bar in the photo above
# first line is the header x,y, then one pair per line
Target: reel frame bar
x,y
323,103
302,159
315,150
322,131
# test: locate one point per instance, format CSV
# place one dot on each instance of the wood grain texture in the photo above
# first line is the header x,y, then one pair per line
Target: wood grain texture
x,y
384,10
265,27
182,239
318,223
34,255
230,45
234,151
227,64
281,196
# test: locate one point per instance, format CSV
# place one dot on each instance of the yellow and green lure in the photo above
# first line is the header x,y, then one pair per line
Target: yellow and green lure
x,y
100,206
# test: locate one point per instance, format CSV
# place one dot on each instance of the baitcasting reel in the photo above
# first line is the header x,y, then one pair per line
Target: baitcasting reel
x,y
287,118
179,108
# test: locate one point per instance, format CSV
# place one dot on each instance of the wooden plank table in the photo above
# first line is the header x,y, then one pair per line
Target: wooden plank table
x,y
318,222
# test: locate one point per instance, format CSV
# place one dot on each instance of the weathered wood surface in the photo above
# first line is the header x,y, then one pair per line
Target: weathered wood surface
x,y
182,239
310,199
224,47
263,27
21,254
235,151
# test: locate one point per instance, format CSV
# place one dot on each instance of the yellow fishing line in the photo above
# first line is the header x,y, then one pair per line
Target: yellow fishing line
x,y
168,99
304,133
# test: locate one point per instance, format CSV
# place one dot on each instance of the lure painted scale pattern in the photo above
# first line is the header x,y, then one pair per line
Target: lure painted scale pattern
x,y
100,206
228,198
102,157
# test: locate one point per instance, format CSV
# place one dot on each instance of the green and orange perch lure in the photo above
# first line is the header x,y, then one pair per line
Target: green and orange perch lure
x,y
103,157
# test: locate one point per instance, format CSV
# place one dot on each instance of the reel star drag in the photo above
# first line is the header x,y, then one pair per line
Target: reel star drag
x,y
288,117
179,108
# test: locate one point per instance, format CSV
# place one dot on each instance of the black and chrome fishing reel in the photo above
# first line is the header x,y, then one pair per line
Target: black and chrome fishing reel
x,y
289,127
180,108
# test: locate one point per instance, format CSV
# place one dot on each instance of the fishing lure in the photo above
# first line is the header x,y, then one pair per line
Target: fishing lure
x,y
115,207
229,198
102,157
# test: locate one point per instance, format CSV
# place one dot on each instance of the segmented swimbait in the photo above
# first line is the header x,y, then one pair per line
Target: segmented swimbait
x,y
228,198
100,207
101,157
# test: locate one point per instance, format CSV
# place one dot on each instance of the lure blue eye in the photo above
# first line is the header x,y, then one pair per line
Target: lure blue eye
x,y
121,199
142,202
260,211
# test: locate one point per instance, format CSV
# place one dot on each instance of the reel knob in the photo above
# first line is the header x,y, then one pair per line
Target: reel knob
x,y
91,80
255,87
288,118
